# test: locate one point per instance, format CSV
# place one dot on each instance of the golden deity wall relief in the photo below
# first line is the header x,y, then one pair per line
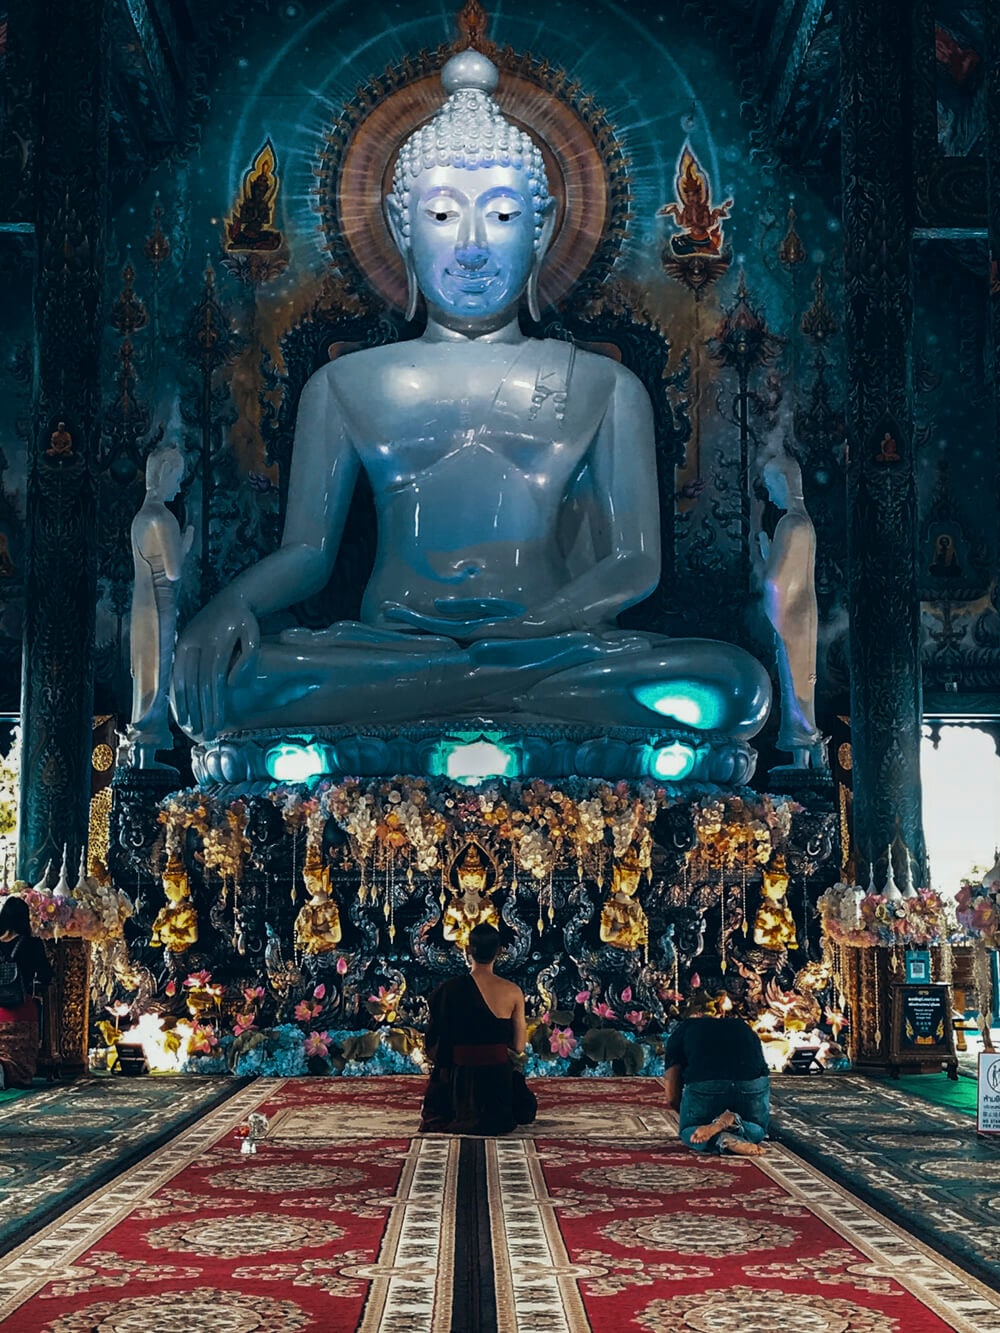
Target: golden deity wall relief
x,y
472,879
696,255
176,924
317,926
774,927
251,225
623,922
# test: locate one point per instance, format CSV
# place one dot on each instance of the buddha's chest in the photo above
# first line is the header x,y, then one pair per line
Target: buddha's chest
x,y
498,413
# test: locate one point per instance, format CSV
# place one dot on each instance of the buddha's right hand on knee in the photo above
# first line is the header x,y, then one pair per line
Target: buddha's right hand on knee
x,y
219,644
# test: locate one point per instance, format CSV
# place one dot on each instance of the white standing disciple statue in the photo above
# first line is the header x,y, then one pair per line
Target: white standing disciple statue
x,y
158,551
790,604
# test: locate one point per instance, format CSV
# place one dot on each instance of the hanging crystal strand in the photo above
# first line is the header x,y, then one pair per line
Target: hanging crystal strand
x,y
552,908
387,876
722,920
743,893
878,1002
295,869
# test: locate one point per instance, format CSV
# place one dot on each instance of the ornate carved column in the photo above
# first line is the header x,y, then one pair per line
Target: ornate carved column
x,y
61,559
991,25
884,608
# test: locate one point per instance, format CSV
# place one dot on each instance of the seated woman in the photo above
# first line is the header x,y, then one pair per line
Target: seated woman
x,y
24,969
476,1022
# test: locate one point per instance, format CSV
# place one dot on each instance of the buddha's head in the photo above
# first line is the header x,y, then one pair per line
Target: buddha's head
x,y
471,872
164,472
470,208
782,479
776,879
175,879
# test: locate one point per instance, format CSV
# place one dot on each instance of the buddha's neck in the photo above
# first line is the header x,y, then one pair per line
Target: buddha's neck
x,y
485,331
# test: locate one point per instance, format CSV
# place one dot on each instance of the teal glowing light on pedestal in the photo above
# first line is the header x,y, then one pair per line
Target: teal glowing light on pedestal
x,y
295,763
472,757
672,761
688,702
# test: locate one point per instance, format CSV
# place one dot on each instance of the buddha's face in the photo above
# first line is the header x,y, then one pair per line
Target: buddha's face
x,y
472,239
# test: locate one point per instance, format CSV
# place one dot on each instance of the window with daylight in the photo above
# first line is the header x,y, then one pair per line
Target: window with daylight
x,y
960,773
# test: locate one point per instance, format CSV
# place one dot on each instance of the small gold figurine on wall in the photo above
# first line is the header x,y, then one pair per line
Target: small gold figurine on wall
x,y
176,924
317,926
471,906
623,922
774,926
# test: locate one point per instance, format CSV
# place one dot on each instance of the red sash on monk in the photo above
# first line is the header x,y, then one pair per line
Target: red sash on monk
x,y
474,1057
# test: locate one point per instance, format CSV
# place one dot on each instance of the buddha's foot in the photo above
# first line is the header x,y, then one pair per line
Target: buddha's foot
x,y
705,1132
741,1147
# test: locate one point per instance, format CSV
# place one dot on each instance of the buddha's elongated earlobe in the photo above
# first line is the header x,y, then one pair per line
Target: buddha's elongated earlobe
x,y
398,230
541,249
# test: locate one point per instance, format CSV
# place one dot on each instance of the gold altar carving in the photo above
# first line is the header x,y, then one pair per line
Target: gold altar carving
x,y
317,926
66,1008
471,906
623,922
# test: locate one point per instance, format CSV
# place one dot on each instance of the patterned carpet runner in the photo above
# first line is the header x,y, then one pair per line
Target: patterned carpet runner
x,y
920,1163
60,1143
596,1220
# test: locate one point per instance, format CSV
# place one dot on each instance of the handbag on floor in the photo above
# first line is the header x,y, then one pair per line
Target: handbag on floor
x,y
12,992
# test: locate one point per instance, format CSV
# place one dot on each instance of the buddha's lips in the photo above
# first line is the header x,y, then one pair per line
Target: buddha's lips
x,y
471,282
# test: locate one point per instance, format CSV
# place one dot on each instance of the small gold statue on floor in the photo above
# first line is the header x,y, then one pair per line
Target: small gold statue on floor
x,y
471,906
317,926
176,924
623,922
774,925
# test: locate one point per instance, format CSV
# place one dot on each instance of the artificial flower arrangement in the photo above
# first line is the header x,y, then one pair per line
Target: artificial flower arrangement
x,y
857,919
91,911
977,906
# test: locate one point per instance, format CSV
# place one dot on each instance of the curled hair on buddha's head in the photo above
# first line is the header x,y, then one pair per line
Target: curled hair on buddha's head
x,y
484,943
15,917
470,131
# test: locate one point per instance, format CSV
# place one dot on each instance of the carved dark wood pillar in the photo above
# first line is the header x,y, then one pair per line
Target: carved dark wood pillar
x,y
883,603
991,24
61,560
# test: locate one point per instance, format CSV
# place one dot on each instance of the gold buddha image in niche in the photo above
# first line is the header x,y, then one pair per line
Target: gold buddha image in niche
x,y
471,905
317,926
774,926
623,922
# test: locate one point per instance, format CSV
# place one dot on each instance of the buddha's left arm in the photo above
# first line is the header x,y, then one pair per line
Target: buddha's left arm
x,y
624,517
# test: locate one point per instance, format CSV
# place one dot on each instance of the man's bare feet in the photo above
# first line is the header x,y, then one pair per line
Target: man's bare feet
x,y
705,1132
741,1147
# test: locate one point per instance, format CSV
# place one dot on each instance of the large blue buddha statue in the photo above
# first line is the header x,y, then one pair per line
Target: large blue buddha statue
x,y
515,488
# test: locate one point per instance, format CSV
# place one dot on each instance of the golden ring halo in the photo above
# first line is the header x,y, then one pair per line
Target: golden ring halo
x,y
583,160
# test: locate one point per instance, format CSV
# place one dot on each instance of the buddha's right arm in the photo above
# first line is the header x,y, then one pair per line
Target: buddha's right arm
x,y
323,475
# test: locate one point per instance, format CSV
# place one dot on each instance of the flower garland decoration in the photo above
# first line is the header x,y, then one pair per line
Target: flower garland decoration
x,y
850,917
221,829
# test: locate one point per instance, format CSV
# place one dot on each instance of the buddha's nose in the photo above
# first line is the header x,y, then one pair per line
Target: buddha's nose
x,y
471,255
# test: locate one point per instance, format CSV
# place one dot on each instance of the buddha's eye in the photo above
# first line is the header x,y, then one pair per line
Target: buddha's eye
x,y
441,214
505,215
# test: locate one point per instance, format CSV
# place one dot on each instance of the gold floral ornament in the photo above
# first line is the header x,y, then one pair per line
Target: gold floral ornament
x,y
220,828
623,922
317,926
176,924
471,906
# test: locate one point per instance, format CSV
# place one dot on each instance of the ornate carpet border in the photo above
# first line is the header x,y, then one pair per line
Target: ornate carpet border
x,y
27,1268
969,1305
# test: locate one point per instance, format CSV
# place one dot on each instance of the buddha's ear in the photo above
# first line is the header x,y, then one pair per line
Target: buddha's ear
x,y
541,249
395,221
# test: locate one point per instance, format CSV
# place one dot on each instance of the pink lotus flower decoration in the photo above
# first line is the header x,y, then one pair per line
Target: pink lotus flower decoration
x,y
603,1010
320,991
317,1043
243,1023
627,995
251,994
582,996
201,979
562,1042
341,966
305,1011
637,1018
202,1040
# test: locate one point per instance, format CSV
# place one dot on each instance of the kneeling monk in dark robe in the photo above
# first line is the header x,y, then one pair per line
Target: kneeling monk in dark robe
x,y
476,1022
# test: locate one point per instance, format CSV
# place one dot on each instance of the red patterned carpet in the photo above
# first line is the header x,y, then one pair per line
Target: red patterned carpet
x,y
597,1220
